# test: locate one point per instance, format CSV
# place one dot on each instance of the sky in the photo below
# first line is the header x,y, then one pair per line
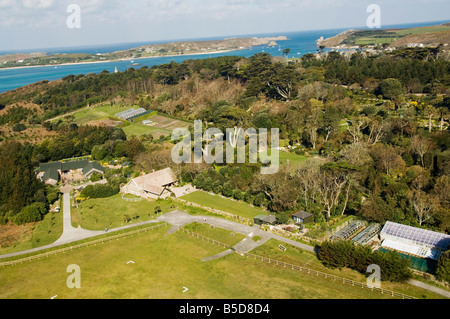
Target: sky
x,y
30,24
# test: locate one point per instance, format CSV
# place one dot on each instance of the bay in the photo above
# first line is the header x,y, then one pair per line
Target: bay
x,y
299,43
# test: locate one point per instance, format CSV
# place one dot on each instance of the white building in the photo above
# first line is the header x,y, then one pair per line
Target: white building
x,y
153,185
414,241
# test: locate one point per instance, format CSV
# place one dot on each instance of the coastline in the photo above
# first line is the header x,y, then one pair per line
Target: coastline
x,y
108,61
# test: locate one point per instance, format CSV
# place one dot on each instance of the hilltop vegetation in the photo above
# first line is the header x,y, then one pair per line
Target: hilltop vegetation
x,y
150,50
431,35
370,134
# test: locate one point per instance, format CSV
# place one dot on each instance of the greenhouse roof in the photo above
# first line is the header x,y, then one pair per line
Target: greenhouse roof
x,y
417,235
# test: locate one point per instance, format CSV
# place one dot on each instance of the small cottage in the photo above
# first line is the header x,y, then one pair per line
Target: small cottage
x,y
302,217
265,220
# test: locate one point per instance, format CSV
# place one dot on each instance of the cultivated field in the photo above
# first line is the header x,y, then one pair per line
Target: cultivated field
x,y
105,116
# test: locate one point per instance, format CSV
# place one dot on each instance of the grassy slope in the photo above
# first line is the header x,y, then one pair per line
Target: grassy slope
x,y
216,233
107,111
436,28
227,205
296,256
140,129
386,36
164,264
98,113
42,233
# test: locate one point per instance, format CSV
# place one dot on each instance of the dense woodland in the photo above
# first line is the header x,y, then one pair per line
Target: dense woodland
x,y
374,131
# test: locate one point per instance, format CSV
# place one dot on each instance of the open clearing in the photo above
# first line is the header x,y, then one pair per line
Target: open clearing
x,y
163,265
105,115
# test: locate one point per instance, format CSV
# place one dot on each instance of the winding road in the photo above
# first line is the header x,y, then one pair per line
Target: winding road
x,y
176,218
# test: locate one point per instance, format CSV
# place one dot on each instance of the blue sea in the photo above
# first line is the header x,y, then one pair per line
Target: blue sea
x,y
300,43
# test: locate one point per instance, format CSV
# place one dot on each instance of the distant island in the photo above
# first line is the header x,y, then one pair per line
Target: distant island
x,y
146,51
431,36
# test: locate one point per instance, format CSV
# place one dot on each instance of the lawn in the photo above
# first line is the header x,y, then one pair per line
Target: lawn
x,y
99,112
239,208
139,129
220,234
163,265
287,159
375,40
296,256
98,213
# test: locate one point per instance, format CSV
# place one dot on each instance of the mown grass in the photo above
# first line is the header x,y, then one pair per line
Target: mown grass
x,y
297,256
223,235
239,208
111,212
99,112
140,129
163,265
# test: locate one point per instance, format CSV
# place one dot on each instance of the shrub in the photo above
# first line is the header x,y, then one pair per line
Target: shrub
x,y
95,177
100,191
19,127
30,214
259,199
227,189
341,254
248,196
256,238
237,194
443,267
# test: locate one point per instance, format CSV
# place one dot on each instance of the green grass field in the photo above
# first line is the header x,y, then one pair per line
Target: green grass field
x,y
374,40
287,159
140,129
96,214
227,205
164,125
223,235
163,265
98,113
437,28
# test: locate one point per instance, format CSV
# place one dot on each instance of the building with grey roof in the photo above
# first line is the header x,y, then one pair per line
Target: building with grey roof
x,y
51,173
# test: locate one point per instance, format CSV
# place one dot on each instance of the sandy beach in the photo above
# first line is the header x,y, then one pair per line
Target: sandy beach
x,y
107,61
